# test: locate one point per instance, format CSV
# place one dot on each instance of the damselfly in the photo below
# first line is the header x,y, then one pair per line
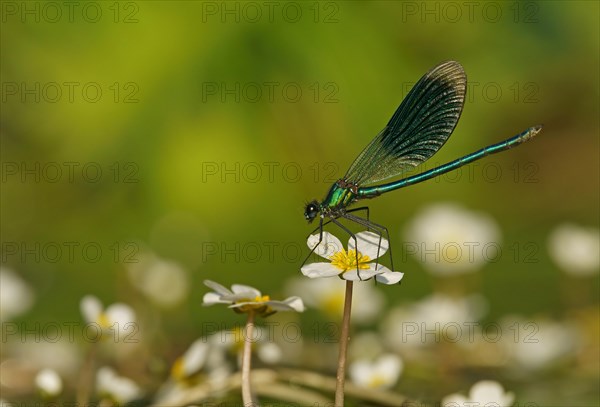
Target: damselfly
x,y
418,129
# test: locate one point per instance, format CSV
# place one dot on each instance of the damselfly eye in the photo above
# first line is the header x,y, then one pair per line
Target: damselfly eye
x,y
311,211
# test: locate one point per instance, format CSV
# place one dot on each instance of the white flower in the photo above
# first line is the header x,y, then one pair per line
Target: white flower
x,y
575,249
49,383
327,295
232,340
270,353
118,317
380,374
119,389
426,321
16,297
191,361
243,298
365,345
451,240
483,393
164,282
343,263
62,356
539,343
202,362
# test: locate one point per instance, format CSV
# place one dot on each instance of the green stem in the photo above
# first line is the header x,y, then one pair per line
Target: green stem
x,y
246,358
344,339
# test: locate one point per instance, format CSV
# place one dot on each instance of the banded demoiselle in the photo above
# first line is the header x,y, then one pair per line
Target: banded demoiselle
x,y
418,129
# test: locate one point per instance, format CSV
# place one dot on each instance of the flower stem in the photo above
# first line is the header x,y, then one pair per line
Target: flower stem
x,y
344,339
86,377
246,358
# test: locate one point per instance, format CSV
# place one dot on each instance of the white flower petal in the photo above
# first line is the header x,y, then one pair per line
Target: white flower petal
x,y
120,314
360,372
245,290
449,239
383,373
217,287
290,304
363,274
240,304
316,270
389,277
328,246
270,353
245,296
295,303
120,388
488,392
16,297
91,308
575,249
369,244
379,268
49,382
195,356
390,366
213,298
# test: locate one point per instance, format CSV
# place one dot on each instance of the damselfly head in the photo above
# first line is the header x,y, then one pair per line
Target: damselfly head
x,y
311,211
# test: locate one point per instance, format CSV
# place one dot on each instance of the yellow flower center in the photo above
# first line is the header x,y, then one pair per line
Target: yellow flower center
x,y
177,370
377,381
333,304
103,321
258,300
346,260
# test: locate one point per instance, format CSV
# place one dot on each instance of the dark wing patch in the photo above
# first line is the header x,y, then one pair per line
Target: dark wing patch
x,y
418,129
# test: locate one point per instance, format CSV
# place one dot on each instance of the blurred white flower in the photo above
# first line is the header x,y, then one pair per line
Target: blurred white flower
x,y
263,341
49,383
575,249
119,318
16,297
62,356
342,263
538,344
243,298
425,321
382,373
191,361
202,362
365,345
483,393
327,295
164,282
269,353
119,389
449,239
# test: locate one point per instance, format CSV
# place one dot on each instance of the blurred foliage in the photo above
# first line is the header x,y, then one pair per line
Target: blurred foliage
x,y
353,63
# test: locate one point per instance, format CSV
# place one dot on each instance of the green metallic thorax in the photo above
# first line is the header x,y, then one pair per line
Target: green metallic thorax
x,y
339,196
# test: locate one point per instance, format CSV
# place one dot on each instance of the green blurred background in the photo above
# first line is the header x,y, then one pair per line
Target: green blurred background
x,y
179,105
